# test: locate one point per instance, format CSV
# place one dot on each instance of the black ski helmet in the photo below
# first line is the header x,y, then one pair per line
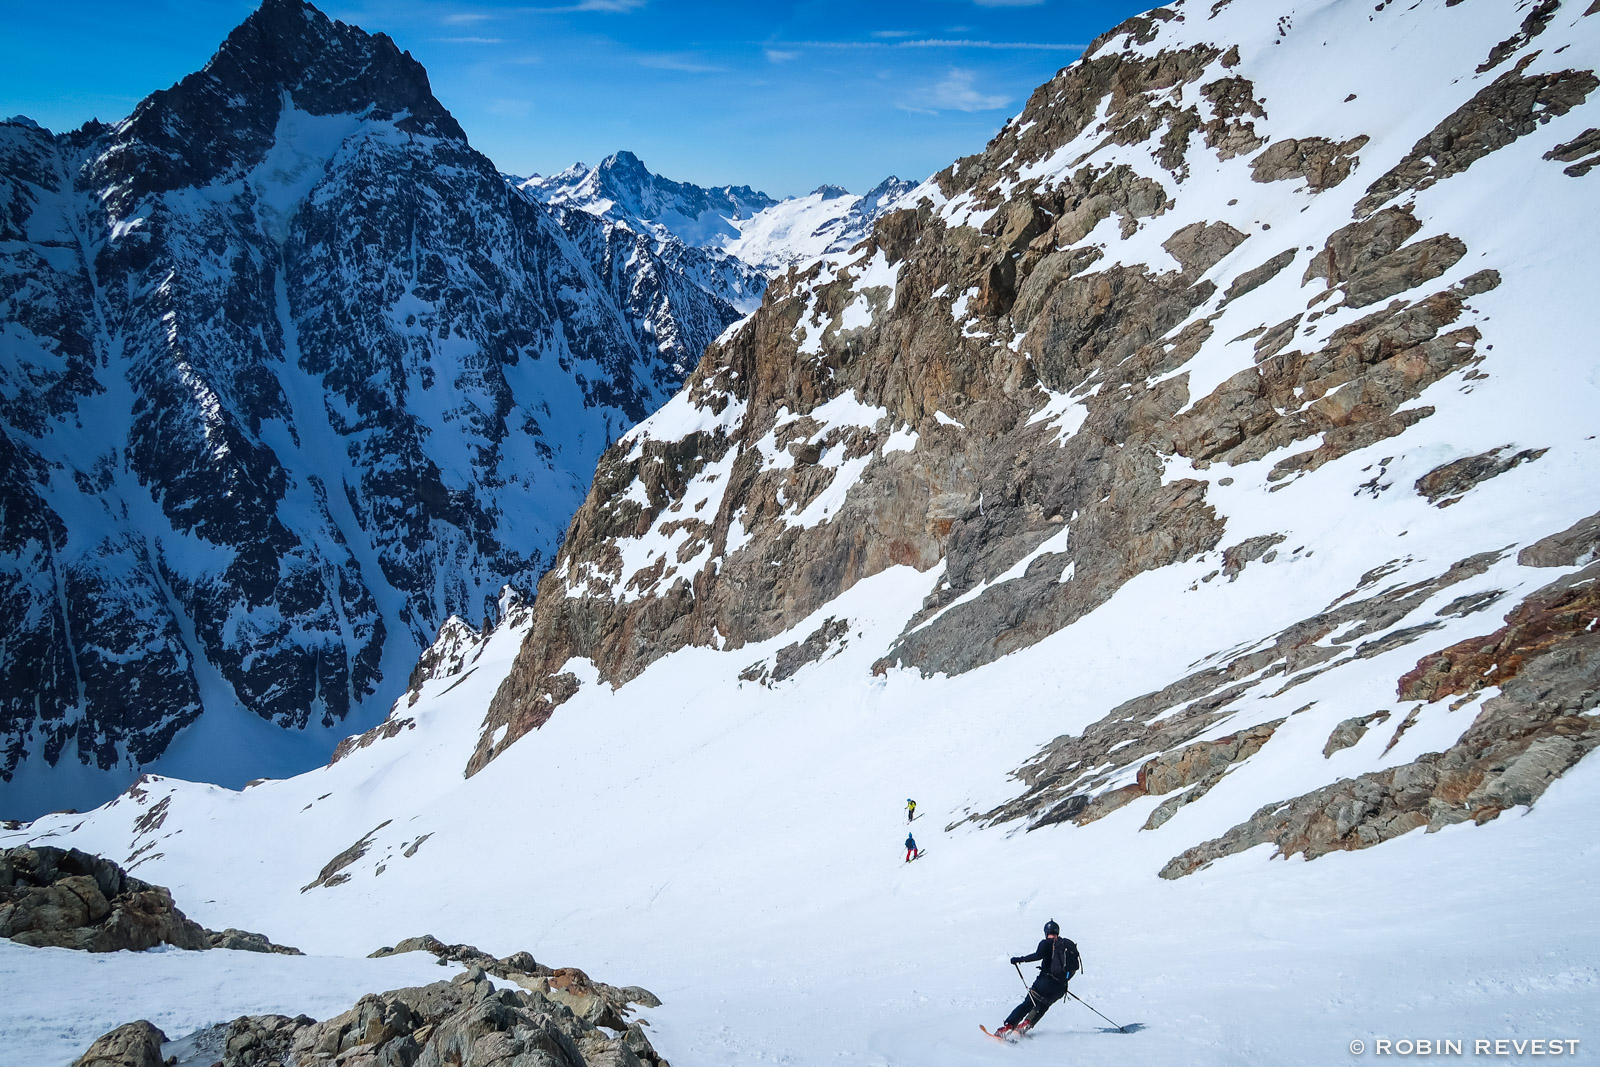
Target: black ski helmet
x,y
1052,927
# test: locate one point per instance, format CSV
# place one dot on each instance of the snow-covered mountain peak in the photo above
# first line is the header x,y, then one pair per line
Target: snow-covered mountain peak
x,y
344,385
623,189
223,118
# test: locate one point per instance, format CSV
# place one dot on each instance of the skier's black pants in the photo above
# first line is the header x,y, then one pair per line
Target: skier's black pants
x,y
1046,991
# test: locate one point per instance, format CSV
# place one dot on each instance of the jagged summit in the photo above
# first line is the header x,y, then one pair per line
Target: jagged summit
x,y
885,192
625,173
621,188
222,118
768,235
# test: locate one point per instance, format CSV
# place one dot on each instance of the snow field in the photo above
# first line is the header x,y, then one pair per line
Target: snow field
x,y
741,856
59,1000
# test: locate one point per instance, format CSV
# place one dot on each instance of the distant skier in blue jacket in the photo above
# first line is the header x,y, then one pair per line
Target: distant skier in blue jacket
x,y
911,848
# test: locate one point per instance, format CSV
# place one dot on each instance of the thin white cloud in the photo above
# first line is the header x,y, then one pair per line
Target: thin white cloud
x,y
776,56
470,40
509,107
893,33
955,92
613,6
466,18
688,65
942,42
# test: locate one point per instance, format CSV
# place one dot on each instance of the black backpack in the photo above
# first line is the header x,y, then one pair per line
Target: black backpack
x,y
1063,958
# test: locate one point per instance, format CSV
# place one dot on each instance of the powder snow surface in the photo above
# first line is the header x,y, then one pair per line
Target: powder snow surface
x,y
737,851
58,1000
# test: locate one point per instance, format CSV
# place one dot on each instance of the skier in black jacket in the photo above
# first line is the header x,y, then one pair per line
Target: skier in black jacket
x,y
1058,962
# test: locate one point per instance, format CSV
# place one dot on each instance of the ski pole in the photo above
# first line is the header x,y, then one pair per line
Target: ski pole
x,y
1031,994
1085,1003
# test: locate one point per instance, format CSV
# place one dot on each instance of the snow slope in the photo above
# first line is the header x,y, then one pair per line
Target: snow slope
x,y
715,808
737,852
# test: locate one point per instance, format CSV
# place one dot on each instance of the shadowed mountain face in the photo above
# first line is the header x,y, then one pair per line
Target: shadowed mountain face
x,y
288,376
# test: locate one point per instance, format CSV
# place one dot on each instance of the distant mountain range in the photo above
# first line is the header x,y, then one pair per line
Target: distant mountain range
x,y
767,234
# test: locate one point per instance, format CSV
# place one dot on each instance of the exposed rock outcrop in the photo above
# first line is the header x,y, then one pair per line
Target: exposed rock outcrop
x,y
1321,163
70,899
1072,778
1236,558
245,941
1575,151
1575,546
1448,483
1532,26
129,1045
333,872
1511,106
1351,731
466,1022
1546,663
1253,279
597,1002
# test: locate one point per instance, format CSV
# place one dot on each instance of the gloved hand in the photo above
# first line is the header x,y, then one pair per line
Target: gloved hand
x,y
1015,960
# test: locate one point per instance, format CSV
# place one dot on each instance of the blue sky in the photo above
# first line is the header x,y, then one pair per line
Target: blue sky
x,y
780,96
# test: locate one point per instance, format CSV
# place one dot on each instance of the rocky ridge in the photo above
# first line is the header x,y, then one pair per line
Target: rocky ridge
x,y
1020,381
65,898
466,1022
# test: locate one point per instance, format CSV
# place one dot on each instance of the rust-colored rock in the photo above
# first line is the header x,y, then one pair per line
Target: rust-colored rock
x,y
1546,661
1558,613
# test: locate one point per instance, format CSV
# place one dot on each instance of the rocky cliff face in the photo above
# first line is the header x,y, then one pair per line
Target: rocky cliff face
x,y
1218,249
289,375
